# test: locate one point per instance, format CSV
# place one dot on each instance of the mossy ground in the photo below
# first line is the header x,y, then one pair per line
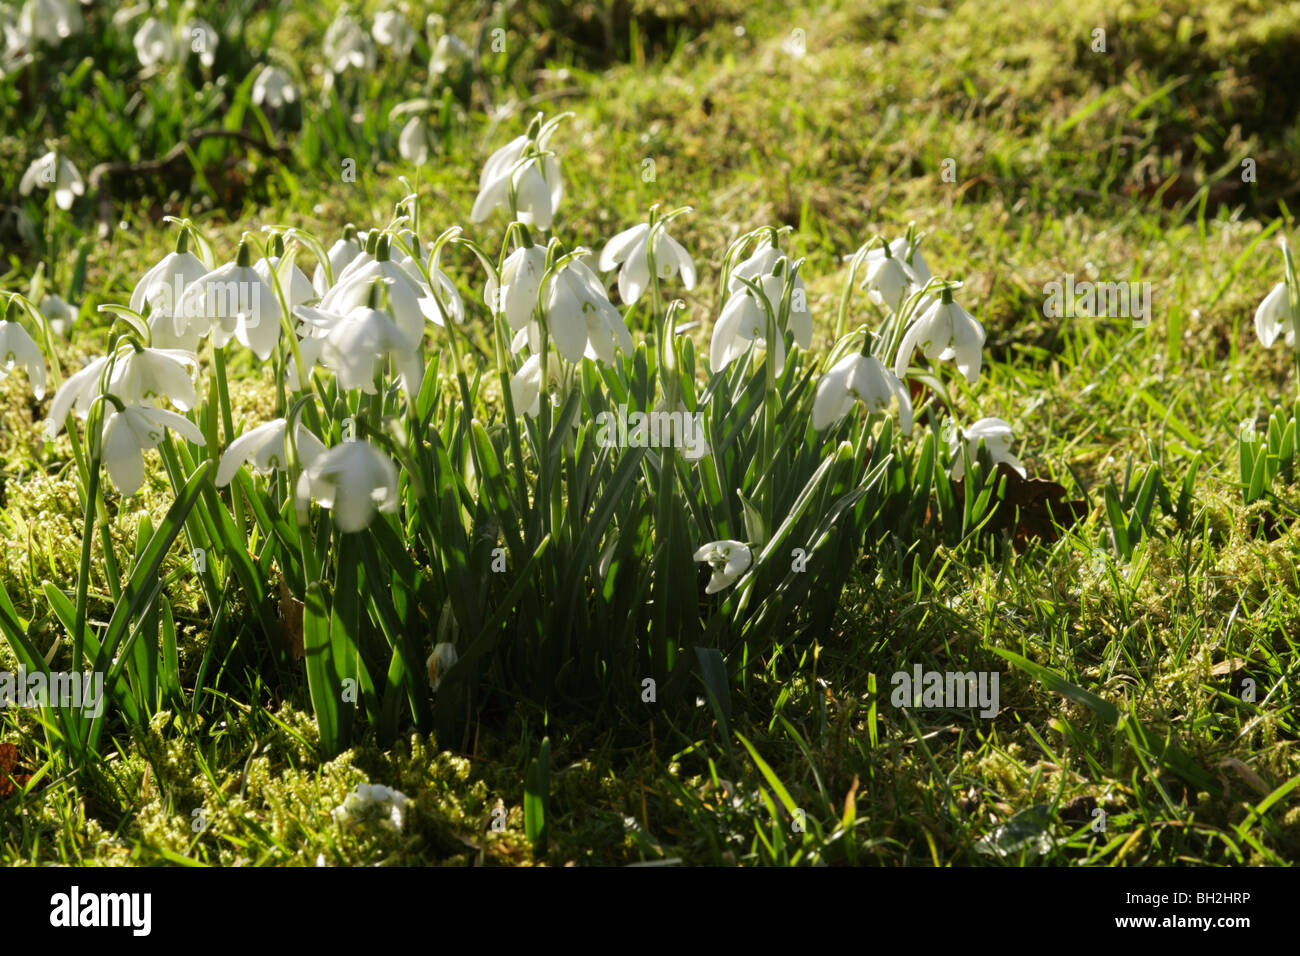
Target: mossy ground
x,y
1123,165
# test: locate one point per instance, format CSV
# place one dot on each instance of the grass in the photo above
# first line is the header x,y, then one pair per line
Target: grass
x,y
1115,166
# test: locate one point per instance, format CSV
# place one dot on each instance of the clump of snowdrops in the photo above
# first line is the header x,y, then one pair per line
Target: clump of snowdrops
x,y
578,515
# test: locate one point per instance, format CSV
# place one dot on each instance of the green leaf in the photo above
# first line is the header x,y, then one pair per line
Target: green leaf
x,y
713,674
1059,685
537,785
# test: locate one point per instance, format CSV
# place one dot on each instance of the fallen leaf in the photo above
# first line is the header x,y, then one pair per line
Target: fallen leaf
x,y
1031,507
291,623
10,779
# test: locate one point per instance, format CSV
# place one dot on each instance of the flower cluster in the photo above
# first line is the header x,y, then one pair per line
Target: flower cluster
x,y
378,424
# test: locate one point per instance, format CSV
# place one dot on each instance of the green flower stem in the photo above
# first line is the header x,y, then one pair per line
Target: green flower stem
x,y
228,427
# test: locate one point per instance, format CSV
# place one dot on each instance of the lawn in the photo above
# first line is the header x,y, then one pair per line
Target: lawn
x,y
1129,607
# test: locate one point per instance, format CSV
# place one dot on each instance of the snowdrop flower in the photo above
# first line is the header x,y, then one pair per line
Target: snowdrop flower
x,y
354,480
859,378
526,385
360,341
141,375
372,801
265,449
729,560
273,87
18,348
1274,318
442,659
413,143
235,302
898,250
631,247
297,288
163,334
163,286
132,431
60,314
154,43
343,252
406,297
441,302
75,395
137,376
530,188
392,30
744,321
448,53
944,331
51,171
888,279
203,40
996,435
768,261
50,21
521,279
579,316
346,44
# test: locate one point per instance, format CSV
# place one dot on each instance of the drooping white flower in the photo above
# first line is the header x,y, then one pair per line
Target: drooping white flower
x,y
265,449
360,341
442,659
60,314
50,21
274,87
534,181
235,302
129,433
163,334
75,395
888,279
163,286
521,279
859,378
729,560
1274,318
898,250
347,45
370,801
344,251
766,262
391,30
631,247
137,376
154,43
579,316
404,295
744,321
57,173
413,143
944,330
526,386
353,479
762,261
448,53
442,301
201,38
997,438
295,285
141,375
17,348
